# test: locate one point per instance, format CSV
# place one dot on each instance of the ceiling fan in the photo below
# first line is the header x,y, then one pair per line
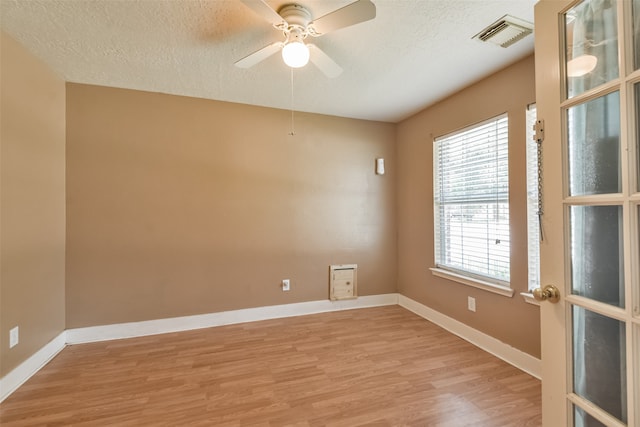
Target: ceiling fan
x,y
296,23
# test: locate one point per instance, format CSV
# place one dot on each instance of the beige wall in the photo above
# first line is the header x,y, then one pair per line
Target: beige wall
x,y
32,168
510,320
179,206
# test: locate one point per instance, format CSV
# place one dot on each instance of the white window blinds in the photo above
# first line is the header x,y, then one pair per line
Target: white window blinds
x,y
533,223
471,191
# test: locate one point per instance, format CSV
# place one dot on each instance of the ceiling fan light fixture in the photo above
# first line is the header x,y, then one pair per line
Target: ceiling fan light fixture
x,y
295,54
296,24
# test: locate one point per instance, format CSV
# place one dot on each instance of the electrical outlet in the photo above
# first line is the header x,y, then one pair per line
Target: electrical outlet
x,y
471,304
286,285
14,337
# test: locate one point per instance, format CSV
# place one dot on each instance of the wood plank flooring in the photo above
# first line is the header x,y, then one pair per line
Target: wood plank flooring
x,y
380,366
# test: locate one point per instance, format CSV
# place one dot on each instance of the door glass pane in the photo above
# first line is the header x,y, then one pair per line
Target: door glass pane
x,y
594,146
635,356
583,419
637,95
636,33
599,361
597,253
591,37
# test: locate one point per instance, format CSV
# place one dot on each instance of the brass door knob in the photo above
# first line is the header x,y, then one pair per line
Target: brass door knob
x,y
549,293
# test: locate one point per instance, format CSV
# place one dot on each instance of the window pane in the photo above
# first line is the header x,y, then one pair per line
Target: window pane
x,y
637,95
594,146
583,419
599,361
477,239
597,254
636,367
471,200
591,36
636,33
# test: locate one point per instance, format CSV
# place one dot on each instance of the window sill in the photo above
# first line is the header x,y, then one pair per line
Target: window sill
x,y
528,298
476,283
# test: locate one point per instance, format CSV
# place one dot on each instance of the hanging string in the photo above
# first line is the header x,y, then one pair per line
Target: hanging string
x,y
293,132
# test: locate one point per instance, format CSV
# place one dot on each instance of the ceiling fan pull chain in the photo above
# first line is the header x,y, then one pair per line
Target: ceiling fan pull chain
x,y
292,133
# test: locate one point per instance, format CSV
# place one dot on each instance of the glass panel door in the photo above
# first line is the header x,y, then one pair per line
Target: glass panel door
x,y
588,96
599,195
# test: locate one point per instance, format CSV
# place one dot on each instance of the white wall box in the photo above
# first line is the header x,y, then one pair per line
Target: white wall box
x,y
343,281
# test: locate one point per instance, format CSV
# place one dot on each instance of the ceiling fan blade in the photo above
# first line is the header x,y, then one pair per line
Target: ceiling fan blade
x,y
354,13
260,55
321,60
261,8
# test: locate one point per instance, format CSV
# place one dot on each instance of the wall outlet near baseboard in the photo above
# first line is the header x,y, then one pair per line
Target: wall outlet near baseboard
x,y
14,337
471,304
286,285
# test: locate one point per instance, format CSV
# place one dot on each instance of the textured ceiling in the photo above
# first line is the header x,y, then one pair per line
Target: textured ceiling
x,y
412,54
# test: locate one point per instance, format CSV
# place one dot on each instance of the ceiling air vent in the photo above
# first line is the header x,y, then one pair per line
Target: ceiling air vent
x,y
505,31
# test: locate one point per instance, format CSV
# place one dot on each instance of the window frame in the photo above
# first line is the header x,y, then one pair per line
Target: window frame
x,y
473,278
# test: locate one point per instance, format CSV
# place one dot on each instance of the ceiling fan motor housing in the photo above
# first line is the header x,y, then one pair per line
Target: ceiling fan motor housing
x,y
296,16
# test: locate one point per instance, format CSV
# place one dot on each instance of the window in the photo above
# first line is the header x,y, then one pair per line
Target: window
x,y
471,191
533,221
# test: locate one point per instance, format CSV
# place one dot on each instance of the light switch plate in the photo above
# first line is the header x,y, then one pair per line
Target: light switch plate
x,y
471,304
14,337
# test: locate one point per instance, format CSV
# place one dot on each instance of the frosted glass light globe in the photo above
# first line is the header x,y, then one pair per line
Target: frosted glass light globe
x,y
295,54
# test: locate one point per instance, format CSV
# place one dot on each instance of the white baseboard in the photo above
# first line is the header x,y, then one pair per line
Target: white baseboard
x,y
509,354
18,376
176,324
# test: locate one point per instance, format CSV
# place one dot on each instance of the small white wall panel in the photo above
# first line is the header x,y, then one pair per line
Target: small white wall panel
x,y
343,281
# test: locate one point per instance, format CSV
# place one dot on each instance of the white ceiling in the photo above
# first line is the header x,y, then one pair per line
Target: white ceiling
x,y
412,54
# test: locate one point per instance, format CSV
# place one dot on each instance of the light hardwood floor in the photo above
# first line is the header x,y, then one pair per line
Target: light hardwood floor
x,y
378,366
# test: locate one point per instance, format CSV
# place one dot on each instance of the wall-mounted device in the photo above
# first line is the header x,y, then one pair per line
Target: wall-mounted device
x,y
379,166
343,281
